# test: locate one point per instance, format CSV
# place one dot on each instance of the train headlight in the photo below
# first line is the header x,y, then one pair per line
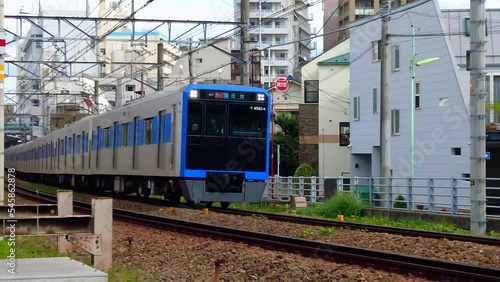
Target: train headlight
x,y
193,94
261,97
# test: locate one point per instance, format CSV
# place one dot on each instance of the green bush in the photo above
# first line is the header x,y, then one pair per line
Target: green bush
x,y
345,203
306,171
401,204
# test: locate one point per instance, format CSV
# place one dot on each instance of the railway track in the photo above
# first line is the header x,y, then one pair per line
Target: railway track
x,y
323,222
419,266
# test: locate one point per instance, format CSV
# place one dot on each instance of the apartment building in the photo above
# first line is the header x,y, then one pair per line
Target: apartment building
x,y
335,16
283,21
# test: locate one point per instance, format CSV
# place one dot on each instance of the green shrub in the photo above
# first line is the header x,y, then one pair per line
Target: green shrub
x,y
345,203
401,204
306,171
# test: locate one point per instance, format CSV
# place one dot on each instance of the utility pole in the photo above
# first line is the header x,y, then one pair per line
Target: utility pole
x,y
245,56
385,105
190,62
2,85
142,84
412,105
160,66
96,96
119,93
477,119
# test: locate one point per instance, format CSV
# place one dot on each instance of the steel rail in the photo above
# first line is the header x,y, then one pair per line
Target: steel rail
x,y
405,264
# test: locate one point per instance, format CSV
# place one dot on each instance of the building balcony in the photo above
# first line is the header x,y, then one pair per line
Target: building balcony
x,y
364,12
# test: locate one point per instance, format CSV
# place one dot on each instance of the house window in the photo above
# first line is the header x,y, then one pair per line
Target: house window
x,y
395,121
376,51
375,100
456,151
344,134
418,91
148,128
356,108
36,102
311,91
395,58
130,88
199,60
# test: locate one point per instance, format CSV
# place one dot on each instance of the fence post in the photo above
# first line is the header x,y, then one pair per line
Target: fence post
x,y
102,215
290,187
301,186
389,191
431,195
410,192
370,191
313,189
454,201
278,188
64,208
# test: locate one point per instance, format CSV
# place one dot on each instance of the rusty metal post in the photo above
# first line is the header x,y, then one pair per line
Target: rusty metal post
x,y
102,214
64,208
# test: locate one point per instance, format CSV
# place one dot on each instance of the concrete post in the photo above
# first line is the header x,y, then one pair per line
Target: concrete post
x,y
64,208
102,214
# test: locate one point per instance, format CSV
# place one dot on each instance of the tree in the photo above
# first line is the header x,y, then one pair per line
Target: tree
x,y
288,139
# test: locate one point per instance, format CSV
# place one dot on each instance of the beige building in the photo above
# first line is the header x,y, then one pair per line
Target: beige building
x,y
349,11
324,117
289,100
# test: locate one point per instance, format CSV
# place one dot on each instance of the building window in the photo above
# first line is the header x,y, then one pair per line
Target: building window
x,y
311,91
418,91
395,58
199,60
375,100
356,108
456,151
395,121
376,51
130,88
344,134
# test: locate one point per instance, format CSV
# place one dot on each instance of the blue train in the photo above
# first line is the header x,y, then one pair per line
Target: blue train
x,y
206,143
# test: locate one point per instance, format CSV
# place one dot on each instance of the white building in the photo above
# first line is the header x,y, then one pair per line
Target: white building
x,y
290,22
325,82
35,80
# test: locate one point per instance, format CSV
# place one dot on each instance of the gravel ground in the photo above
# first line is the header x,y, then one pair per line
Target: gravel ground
x,y
169,256
476,254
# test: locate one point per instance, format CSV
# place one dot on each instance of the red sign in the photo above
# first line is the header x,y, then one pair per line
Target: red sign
x,y
281,84
2,42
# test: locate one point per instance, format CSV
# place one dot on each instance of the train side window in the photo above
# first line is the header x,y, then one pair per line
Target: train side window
x,y
107,141
195,118
125,134
78,143
70,145
148,131
215,121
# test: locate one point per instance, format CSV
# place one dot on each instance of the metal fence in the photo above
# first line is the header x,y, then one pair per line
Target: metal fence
x,y
434,195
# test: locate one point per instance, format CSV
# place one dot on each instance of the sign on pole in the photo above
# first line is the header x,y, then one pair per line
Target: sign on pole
x,y
281,84
487,155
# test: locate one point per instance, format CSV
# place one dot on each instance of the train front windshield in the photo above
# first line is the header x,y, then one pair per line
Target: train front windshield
x,y
227,131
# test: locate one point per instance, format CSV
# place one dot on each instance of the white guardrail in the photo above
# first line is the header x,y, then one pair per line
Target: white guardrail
x,y
434,195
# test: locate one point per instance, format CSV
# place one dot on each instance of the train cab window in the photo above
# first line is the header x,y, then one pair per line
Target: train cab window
x,y
148,131
215,120
107,142
195,118
247,120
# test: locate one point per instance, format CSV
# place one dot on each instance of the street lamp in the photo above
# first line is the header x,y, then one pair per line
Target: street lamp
x,y
412,101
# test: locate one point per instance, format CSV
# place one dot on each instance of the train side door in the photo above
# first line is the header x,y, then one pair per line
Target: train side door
x,y
161,140
174,134
135,149
115,139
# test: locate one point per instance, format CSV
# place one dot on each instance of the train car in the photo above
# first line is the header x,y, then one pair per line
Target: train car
x,y
206,143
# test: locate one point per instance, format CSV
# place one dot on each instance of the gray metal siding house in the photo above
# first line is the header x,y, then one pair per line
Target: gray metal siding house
x,y
442,118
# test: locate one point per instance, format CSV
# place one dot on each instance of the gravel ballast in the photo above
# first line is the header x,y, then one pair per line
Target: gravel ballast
x,y
472,253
